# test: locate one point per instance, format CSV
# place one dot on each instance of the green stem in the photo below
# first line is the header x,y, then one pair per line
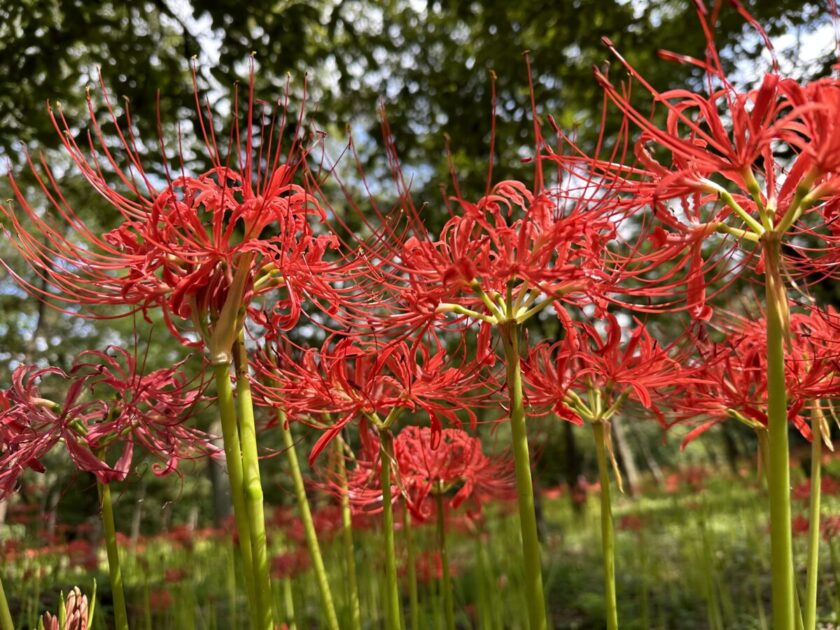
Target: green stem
x,y
289,603
6,622
777,433
599,429
411,560
524,485
347,540
386,450
233,460
448,608
308,525
764,454
835,569
817,420
253,487
107,509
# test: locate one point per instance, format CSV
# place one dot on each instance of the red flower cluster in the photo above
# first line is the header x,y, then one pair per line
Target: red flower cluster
x,y
456,467
732,373
593,370
720,163
107,401
200,246
534,244
370,381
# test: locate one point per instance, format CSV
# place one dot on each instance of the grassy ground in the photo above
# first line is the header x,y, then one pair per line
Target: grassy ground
x,y
692,556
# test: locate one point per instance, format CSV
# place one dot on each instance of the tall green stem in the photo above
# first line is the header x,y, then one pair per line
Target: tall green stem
x,y
411,560
289,603
233,460
347,540
817,420
253,487
778,471
524,485
392,595
114,571
6,622
599,428
448,608
308,525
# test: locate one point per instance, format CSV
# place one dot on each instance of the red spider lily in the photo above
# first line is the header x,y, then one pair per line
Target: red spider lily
x,y
30,426
290,563
830,528
198,247
734,376
149,410
456,466
589,374
371,381
513,245
511,237
720,163
107,402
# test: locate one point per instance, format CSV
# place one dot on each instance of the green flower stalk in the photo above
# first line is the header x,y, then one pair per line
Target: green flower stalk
x,y
600,430
305,515
411,563
524,485
114,568
253,487
233,459
6,622
819,428
392,593
446,584
778,471
352,583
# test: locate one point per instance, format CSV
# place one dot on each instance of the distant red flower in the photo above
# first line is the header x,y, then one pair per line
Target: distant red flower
x,y
290,563
829,486
800,525
429,567
631,522
455,467
830,527
173,575
160,599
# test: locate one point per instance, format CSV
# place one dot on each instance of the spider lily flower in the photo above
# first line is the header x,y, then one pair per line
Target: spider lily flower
x,y
454,465
718,166
147,410
506,257
590,374
31,426
198,246
733,381
354,379
108,401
